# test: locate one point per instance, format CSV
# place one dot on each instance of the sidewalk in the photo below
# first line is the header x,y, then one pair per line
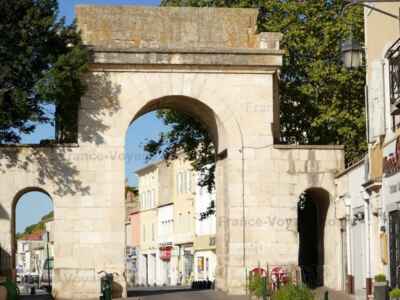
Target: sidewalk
x,y
332,295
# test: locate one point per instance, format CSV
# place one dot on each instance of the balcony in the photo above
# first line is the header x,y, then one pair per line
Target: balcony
x,y
393,56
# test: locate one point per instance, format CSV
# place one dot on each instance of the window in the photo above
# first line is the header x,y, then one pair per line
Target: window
x,y
185,182
177,183
393,55
153,233
148,199
180,182
190,181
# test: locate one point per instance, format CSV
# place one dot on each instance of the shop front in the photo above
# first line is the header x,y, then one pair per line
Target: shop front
x,y
204,258
390,236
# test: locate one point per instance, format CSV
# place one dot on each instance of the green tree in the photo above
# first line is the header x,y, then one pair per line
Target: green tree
x,y
41,62
321,101
189,136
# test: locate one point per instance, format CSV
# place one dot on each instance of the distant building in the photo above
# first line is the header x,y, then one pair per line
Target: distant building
x,y
204,242
173,243
30,254
184,216
148,199
132,234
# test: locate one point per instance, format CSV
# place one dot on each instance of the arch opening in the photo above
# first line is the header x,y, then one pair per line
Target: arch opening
x,y
174,218
188,106
312,211
32,240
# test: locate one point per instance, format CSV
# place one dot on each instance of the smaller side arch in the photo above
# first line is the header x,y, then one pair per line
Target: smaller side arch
x,y
312,211
13,241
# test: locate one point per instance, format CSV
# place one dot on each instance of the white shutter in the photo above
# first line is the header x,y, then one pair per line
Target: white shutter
x,y
376,113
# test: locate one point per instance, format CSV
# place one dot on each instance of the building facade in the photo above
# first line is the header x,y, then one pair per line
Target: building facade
x,y
205,258
148,185
30,255
132,234
184,219
368,192
183,249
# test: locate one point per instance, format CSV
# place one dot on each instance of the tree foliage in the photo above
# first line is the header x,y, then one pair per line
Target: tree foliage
x,y
321,101
41,62
187,136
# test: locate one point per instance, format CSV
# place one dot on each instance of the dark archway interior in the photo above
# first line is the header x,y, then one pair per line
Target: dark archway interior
x,y
312,210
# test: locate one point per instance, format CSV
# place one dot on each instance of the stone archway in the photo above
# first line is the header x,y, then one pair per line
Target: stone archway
x,y
148,259
209,62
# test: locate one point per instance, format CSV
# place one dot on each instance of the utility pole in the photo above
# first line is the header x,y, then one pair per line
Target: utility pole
x,y
48,259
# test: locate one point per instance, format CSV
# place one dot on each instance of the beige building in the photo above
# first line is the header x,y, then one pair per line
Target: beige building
x,y
383,79
184,219
369,192
132,233
184,246
148,186
205,259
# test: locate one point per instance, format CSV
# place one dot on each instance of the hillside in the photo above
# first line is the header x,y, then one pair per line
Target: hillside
x,y
38,227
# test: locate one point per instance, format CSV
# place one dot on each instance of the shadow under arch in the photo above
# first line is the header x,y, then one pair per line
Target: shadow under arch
x,y
312,209
15,201
189,106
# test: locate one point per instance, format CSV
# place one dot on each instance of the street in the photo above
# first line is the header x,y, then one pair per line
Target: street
x,y
183,294
192,295
25,290
187,294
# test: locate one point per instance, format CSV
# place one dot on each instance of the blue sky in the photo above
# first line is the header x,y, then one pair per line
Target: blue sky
x,y
32,206
67,6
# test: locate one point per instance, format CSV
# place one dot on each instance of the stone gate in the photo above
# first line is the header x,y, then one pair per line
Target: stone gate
x,y
212,64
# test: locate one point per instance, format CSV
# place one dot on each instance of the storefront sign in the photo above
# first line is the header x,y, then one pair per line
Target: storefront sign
x,y
391,163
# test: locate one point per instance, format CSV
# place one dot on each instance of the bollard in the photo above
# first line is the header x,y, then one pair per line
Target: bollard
x,y
326,296
106,283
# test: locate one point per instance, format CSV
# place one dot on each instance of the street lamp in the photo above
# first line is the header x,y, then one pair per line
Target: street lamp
x,y
352,52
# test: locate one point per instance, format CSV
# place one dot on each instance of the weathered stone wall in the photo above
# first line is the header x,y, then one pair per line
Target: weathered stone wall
x,y
125,27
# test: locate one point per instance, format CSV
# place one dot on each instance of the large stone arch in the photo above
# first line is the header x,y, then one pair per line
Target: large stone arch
x,y
209,62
